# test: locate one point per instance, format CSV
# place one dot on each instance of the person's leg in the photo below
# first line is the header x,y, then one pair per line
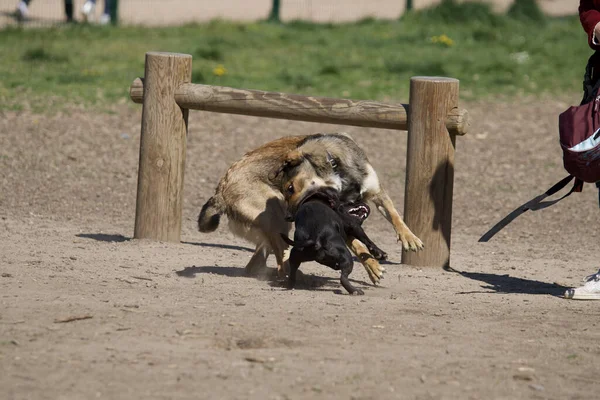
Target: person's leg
x,y
22,10
107,4
69,10
105,17
88,10
590,290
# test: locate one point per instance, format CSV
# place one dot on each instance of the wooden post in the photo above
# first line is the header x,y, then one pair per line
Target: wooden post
x,y
162,148
430,169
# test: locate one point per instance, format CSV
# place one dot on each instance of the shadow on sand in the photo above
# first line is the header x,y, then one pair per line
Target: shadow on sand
x,y
103,237
511,285
118,238
220,246
304,282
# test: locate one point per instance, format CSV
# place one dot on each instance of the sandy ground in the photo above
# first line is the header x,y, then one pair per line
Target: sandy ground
x,y
173,12
178,321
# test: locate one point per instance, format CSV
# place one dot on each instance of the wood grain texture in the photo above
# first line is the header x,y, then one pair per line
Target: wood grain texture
x,y
162,148
259,103
430,169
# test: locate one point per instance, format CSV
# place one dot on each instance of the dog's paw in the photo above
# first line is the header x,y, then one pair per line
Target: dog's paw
x,y
410,242
373,268
357,292
378,253
281,273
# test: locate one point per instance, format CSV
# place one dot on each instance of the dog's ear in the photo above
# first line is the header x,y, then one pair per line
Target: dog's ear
x,y
292,159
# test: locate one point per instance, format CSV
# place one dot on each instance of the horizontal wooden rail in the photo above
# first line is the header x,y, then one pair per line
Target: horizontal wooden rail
x,y
296,107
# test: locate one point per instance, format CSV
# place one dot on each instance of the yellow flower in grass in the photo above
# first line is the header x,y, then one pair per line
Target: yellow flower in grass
x,y
443,39
90,72
219,70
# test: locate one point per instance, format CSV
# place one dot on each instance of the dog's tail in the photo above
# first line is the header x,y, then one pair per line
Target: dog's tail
x,y
210,215
287,240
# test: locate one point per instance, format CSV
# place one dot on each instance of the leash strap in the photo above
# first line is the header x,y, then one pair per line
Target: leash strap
x,y
534,204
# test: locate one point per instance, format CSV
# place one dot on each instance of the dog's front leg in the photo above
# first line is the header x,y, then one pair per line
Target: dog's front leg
x,y
294,263
355,229
374,269
345,281
386,207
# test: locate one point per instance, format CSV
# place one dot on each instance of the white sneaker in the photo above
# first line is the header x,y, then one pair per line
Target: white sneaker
x,y
22,11
88,11
589,291
104,19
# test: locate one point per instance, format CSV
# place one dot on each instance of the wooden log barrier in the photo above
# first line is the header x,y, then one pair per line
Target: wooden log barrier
x,y
433,120
259,103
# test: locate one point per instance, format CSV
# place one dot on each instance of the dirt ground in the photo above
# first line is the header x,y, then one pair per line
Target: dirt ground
x,y
178,321
169,12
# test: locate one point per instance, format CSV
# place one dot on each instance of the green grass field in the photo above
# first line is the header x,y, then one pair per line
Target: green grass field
x,y
493,56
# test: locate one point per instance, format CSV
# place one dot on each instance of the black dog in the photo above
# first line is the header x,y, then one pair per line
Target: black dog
x,y
322,228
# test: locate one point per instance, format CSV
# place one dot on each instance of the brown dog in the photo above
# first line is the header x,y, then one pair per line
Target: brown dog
x,y
266,184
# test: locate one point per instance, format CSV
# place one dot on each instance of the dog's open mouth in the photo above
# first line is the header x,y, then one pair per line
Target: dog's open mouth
x,y
329,196
359,210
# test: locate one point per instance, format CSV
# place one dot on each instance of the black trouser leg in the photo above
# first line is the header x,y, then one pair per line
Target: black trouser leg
x,y
69,10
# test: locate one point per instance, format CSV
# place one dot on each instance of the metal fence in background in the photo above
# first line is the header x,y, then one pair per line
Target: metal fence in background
x,y
177,12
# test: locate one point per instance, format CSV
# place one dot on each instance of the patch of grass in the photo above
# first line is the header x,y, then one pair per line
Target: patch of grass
x,y
209,53
329,70
401,66
198,77
527,10
492,55
452,12
40,54
296,80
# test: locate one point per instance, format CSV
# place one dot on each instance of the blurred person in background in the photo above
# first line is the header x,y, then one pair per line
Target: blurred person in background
x,y
22,12
89,11
589,15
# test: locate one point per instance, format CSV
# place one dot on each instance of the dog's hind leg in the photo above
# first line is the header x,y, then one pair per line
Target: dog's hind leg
x,y
386,207
372,266
258,262
272,224
278,245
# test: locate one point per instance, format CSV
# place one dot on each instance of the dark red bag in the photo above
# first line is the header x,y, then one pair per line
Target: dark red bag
x,y
579,131
579,128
